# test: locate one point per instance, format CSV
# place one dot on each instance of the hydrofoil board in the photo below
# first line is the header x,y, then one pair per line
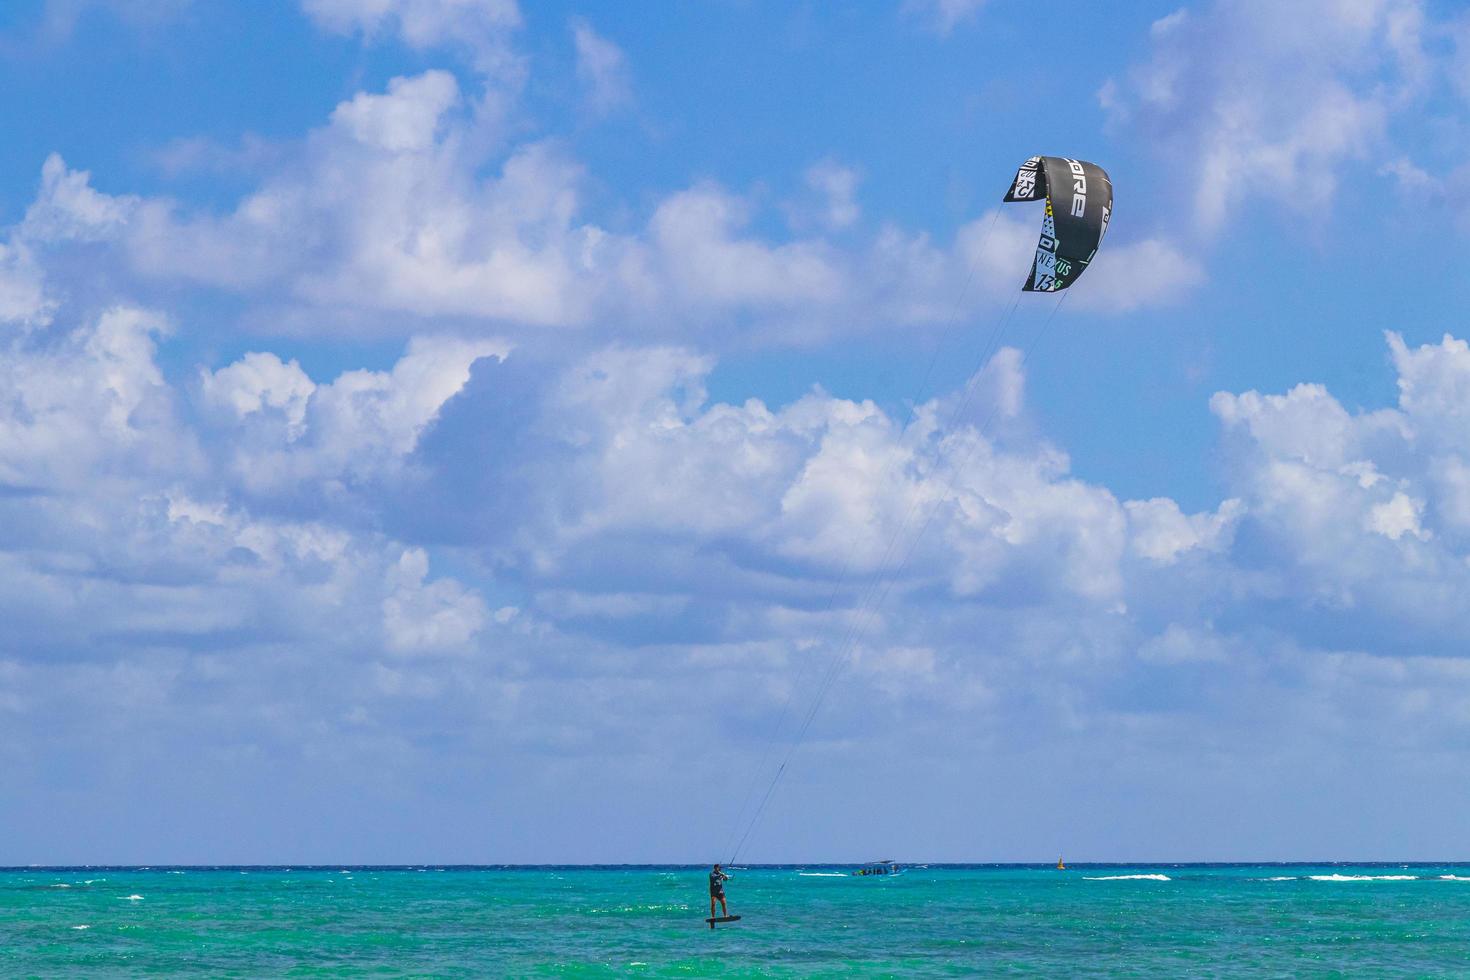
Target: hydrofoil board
x,y
722,918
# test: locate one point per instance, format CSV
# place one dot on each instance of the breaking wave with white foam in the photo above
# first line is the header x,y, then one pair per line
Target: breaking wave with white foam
x,y
1129,878
1363,877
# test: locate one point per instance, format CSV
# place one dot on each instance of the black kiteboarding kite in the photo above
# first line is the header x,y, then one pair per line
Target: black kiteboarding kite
x,y
1079,201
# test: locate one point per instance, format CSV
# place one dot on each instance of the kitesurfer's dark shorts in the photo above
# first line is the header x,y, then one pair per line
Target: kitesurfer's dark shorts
x,y
717,893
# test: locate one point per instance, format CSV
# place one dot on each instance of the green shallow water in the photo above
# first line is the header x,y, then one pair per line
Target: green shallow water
x,y
939,921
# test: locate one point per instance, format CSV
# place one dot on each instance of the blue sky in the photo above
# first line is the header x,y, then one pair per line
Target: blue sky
x,y
445,430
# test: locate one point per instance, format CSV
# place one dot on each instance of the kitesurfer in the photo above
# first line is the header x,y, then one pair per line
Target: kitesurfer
x,y
717,879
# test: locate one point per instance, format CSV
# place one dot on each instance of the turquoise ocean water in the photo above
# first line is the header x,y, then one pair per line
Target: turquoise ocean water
x,y
1154,920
